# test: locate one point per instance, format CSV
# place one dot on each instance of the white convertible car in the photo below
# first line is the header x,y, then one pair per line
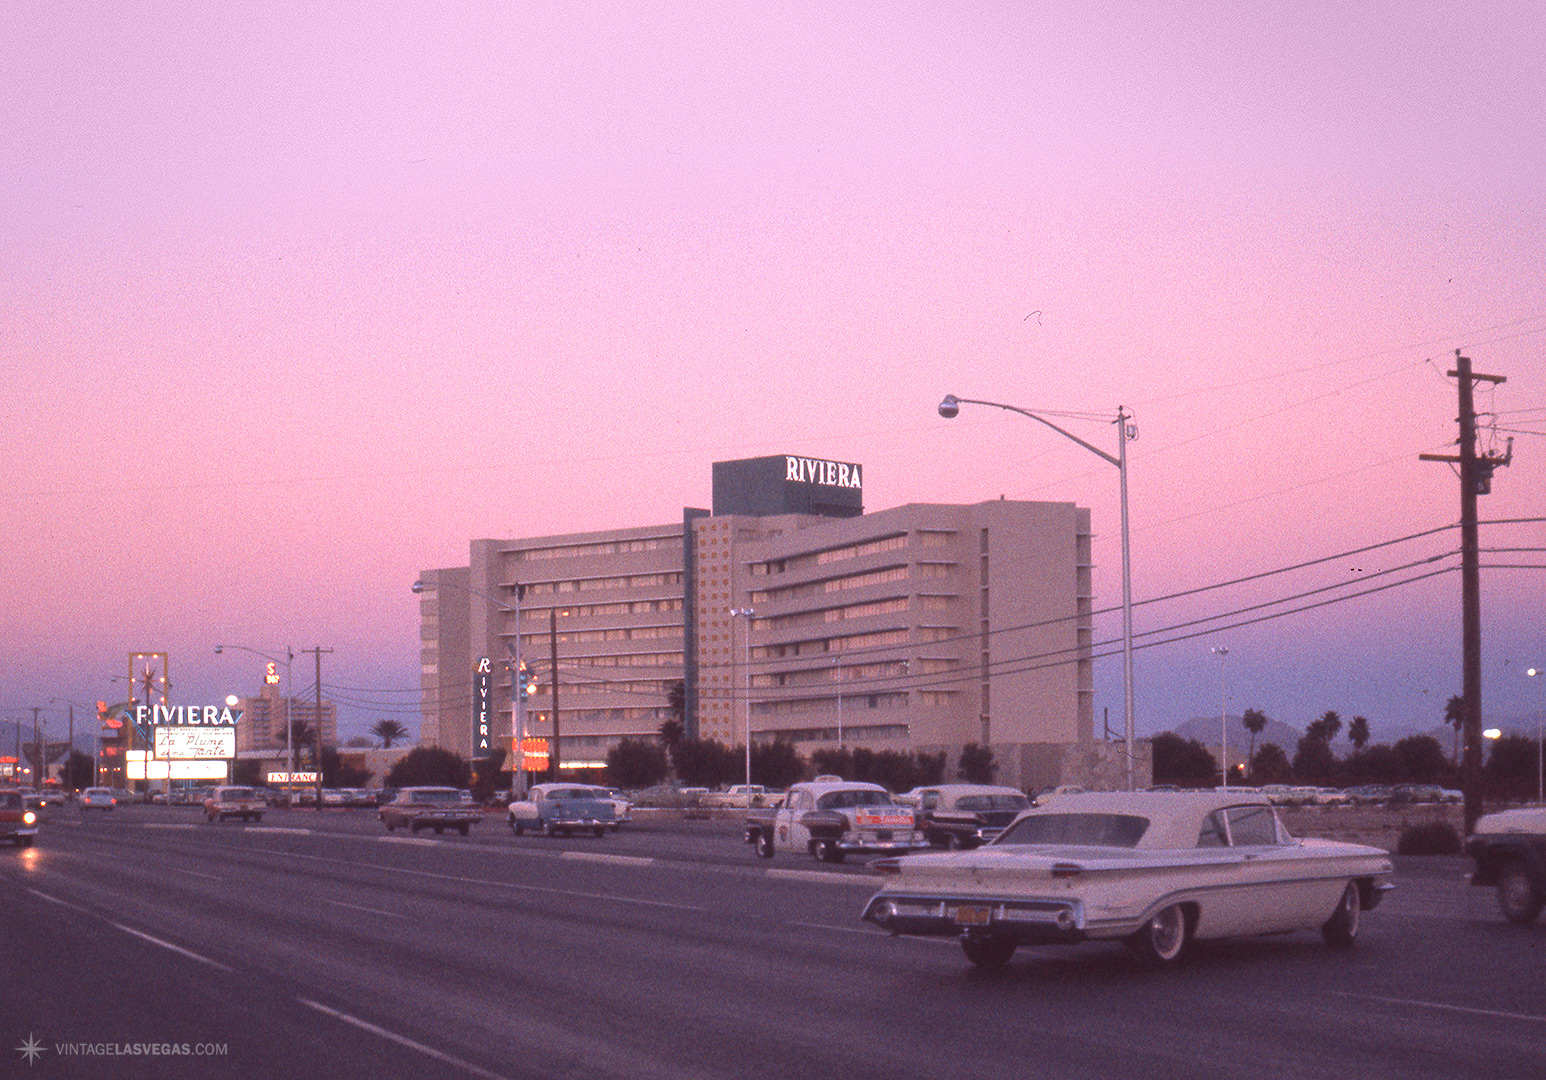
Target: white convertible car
x,y
1156,870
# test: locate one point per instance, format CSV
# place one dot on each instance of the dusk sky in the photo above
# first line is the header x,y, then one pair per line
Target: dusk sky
x,y
298,299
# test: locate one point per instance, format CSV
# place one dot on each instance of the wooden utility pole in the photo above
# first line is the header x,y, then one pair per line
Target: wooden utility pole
x,y
554,758
318,651
1475,479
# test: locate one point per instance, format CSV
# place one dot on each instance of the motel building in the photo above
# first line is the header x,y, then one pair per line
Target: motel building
x,y
788,610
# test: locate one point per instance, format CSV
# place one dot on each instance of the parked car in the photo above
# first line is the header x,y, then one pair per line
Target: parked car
x,y
98,798
832,819
1369,794
1154,870
438,808
229,801
1510,852
560,809
743,796
1046,794
18,822
958,816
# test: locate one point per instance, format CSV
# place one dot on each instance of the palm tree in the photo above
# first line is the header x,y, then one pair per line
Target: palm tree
x,y
1358,732
389,731
1454,716
1254,721
1326,728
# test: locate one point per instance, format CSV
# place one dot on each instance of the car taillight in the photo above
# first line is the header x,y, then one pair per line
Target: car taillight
x,y
887,866
28,818
1066,870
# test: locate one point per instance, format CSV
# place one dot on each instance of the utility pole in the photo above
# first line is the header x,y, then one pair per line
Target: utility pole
x,y
1475,479
37,751
554,758
317,652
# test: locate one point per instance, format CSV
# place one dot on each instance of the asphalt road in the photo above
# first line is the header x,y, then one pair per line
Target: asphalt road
x,y
146,943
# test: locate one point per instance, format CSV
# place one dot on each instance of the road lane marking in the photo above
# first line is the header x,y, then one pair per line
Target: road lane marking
x,y
402,1040
616,860
822,875
1442,1007
135,933
420,840
369,910
195,873
278,829
169,825
61,903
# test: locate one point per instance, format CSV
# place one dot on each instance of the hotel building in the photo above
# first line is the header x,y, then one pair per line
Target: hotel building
x,y
788,611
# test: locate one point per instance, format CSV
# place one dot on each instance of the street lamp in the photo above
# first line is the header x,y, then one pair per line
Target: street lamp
x,y
747,614
951,405
517,698
1221,652
1540,748
288,661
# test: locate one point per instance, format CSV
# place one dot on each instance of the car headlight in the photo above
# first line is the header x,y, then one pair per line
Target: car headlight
x,y
29,818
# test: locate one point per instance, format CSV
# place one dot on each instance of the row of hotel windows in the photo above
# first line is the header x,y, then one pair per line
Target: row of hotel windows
x,y
597,584
613,547
580,611
853,581
926,602
926,538
611,633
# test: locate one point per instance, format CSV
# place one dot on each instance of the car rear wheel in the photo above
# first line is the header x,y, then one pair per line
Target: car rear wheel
x,y
1518,898
463,829
827,851
988,953
765,844
1163,938
516,827
1341,930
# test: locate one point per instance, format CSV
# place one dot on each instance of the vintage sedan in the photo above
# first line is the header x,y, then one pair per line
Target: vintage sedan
x,y
227,801
1510,852
560,809
438,808
18,821
957,816
1155,870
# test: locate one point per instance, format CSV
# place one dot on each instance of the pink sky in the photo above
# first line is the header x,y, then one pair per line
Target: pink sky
x,y
298,300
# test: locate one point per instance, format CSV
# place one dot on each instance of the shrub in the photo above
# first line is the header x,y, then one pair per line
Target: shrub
x,y
1429,838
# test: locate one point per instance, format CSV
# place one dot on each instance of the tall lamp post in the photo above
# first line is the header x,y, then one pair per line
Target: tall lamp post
x,y
288,661
951,405
747,614
1222,652
1540,748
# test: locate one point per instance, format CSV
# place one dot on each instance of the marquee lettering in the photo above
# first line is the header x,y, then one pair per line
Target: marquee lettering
x,y
827,473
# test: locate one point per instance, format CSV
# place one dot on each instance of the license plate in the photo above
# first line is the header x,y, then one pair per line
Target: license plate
x,y
973,915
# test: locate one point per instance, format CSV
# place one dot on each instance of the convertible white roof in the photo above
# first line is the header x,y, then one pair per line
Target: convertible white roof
x,y
1175,817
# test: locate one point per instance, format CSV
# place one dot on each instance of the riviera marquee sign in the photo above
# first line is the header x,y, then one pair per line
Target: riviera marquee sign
x,y
187,715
